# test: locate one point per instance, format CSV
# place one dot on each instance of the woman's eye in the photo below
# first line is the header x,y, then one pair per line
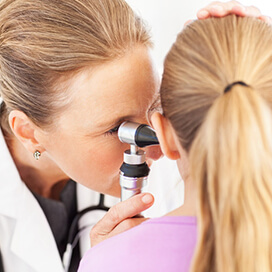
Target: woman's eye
x,y
113,130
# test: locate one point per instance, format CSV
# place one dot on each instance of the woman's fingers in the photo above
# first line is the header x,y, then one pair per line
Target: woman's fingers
x,y
188,22
109,225
126,225
266,19
251,11
218,9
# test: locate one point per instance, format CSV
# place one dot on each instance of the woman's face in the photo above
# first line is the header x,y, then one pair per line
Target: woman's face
x,y
84,144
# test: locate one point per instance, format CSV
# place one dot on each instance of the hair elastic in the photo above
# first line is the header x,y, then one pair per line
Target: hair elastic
x,y
229,87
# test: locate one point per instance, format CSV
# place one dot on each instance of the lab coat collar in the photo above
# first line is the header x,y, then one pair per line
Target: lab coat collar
x,y
32,234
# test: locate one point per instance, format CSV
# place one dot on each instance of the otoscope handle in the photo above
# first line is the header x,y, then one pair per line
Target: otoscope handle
x,y
131,186
132,179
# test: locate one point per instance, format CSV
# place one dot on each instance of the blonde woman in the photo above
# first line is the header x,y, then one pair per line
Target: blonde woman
x,y
217,123
71,72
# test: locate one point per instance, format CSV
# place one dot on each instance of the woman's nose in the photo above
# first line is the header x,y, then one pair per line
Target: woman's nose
x,y
153,152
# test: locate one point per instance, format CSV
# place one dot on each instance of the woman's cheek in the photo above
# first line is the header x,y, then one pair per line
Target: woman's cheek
x,y
110,156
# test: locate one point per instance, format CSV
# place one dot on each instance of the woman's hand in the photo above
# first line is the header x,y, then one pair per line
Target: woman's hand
x,y
219,9
119,217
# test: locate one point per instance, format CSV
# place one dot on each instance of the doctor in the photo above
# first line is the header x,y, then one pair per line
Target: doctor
x,y
71,73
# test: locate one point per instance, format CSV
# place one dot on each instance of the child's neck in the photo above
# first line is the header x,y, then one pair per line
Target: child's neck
x,y
189,206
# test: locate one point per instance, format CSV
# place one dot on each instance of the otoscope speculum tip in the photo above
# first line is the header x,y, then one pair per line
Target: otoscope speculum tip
x,y
137,134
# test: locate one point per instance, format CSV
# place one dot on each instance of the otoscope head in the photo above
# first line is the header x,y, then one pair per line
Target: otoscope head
x,y
134,170
137,134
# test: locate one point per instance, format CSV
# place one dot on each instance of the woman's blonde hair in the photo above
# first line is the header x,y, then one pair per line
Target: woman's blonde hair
x,y
228,137
44,41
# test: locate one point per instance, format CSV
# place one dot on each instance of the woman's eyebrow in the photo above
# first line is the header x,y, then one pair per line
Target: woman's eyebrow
x,y
113,122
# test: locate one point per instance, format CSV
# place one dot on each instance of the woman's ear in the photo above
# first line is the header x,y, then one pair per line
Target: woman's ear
x,y
166,136
24,130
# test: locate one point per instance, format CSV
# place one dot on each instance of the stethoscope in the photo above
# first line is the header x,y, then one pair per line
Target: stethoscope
x,y
75,233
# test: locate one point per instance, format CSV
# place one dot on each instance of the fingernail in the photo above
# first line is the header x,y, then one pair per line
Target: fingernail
x,y
239,8
217,8
147,199
203,13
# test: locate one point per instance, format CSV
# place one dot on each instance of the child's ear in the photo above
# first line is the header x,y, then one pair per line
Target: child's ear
x,y
24,129
166,136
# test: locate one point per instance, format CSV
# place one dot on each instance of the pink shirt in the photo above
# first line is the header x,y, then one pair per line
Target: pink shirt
x,y
160,244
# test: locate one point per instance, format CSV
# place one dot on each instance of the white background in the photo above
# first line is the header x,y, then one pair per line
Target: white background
x,y
167,17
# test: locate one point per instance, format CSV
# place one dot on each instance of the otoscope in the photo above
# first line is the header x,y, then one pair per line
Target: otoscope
x,y
134,170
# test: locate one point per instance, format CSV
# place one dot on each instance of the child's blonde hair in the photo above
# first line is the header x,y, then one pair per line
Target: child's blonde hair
x,y
228,137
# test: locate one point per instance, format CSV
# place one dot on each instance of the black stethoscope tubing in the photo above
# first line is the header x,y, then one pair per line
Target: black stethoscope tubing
x,y
73,236
1,262
74,226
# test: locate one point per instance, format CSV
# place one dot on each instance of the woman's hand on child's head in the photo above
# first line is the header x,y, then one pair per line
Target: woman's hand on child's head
x,y
219,9
119,218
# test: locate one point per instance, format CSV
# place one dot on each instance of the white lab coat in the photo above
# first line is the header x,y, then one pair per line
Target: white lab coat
x,y
26,241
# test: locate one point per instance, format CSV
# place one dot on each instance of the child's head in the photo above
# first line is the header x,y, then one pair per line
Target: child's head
x,y
226,131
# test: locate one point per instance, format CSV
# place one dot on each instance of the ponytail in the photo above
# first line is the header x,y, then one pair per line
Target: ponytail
x,y
231,162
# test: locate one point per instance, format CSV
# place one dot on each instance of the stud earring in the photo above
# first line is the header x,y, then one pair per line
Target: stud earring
x,y
37,154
